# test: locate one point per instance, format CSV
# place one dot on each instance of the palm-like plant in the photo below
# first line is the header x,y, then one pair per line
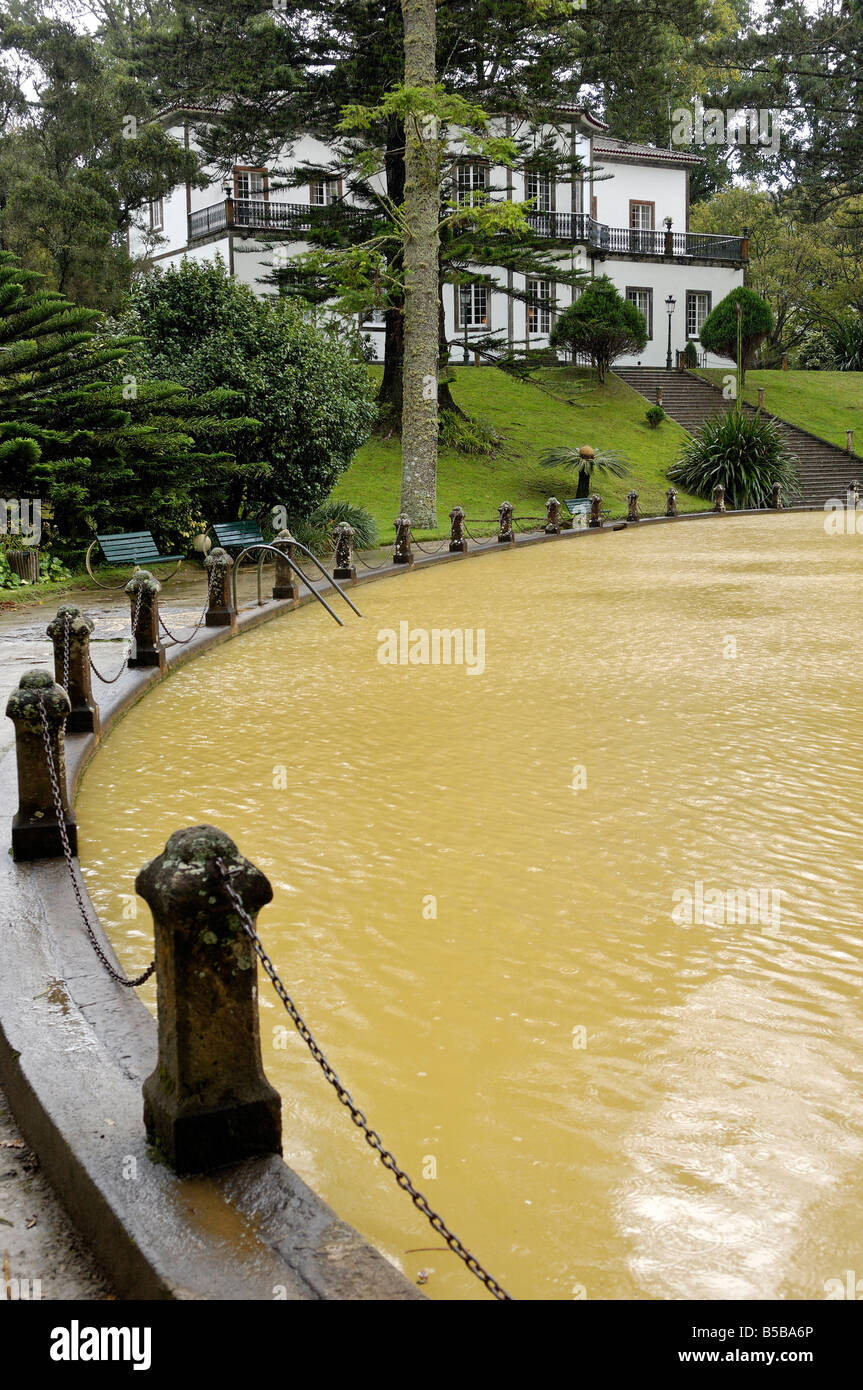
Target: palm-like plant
x,y
586,462
316,529
745,453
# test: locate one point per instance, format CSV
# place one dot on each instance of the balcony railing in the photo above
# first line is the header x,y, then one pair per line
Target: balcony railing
x,y
260,214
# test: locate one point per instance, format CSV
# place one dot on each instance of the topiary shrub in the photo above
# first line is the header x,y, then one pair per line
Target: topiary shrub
x,y
719,329
600,323
690,355
745,453
655,416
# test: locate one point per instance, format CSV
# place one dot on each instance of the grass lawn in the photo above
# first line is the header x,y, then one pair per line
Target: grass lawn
x,y
529,420
825,403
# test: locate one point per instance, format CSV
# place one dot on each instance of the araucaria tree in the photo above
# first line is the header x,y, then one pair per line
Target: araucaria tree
x,y
102,449
719,332
600,324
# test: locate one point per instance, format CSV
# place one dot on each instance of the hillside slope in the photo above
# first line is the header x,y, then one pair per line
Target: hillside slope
x,y
529,420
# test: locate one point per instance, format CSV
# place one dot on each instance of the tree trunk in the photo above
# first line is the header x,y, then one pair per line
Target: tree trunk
x,y
444,395
422,202
390,394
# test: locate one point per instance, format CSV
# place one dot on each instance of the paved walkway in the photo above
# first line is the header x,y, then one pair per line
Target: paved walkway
x,y
37,1240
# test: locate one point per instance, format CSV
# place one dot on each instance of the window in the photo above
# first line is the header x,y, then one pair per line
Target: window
x,y
157,214
643,300
539,306
540,189
472,184
471,306
697,309
250,183
641,225
324,192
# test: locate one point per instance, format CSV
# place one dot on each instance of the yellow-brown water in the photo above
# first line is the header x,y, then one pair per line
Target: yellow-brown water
x,y
600,1099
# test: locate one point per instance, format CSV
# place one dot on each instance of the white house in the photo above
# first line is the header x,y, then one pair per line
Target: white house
x,y
626,216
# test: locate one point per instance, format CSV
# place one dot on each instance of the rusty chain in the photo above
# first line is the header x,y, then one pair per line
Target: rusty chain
x,y
109,680
67,635
181,641
372,1138
67,855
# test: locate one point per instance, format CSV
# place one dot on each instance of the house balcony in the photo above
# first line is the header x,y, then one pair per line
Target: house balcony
x,y
252,215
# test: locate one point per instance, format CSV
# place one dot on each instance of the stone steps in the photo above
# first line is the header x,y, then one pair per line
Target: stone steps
x,y
825,470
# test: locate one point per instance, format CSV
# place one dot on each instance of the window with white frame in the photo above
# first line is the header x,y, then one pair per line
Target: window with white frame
x,y
471,306
324,192
642,298
471,183
541,189
697,309
539,306
250,183
157,214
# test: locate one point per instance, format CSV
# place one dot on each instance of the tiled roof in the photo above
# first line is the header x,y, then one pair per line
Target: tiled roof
x,y
606,147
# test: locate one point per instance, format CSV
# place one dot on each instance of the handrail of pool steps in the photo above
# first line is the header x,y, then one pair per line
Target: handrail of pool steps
x,y
283,547
52,975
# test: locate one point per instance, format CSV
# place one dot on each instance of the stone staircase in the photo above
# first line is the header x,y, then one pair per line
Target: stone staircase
x,y
825,470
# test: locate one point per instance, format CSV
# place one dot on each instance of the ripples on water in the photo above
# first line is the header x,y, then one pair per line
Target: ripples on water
x,y
706,1141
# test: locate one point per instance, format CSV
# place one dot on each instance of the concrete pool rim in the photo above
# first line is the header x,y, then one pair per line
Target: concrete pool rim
x,y
75,1049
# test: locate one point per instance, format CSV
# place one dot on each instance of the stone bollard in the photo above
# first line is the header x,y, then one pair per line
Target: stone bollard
x,y
84,718
761,398
552,517
345,568
719,498
208,1101
35,830
670,502
659,395
632,513
505,532
147,649
286,584
595,510
849,441
402,553
776,497
457,537
220,607
852,499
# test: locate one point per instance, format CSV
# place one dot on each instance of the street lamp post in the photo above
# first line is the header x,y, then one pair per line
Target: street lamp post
x,y
465,292
669,308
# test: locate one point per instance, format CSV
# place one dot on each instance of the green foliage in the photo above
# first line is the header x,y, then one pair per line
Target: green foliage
x,y
846,342
51,570
78,165
316,530
602,323
719,330
816,352
103,454
307,401
466,434
690,355
655,416
744,453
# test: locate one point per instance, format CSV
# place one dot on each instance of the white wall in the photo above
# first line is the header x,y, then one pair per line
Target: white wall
x,y
665,279
651,183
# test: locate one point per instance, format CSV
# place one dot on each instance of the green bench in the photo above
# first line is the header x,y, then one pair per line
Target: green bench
x,y
238,535
129,548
